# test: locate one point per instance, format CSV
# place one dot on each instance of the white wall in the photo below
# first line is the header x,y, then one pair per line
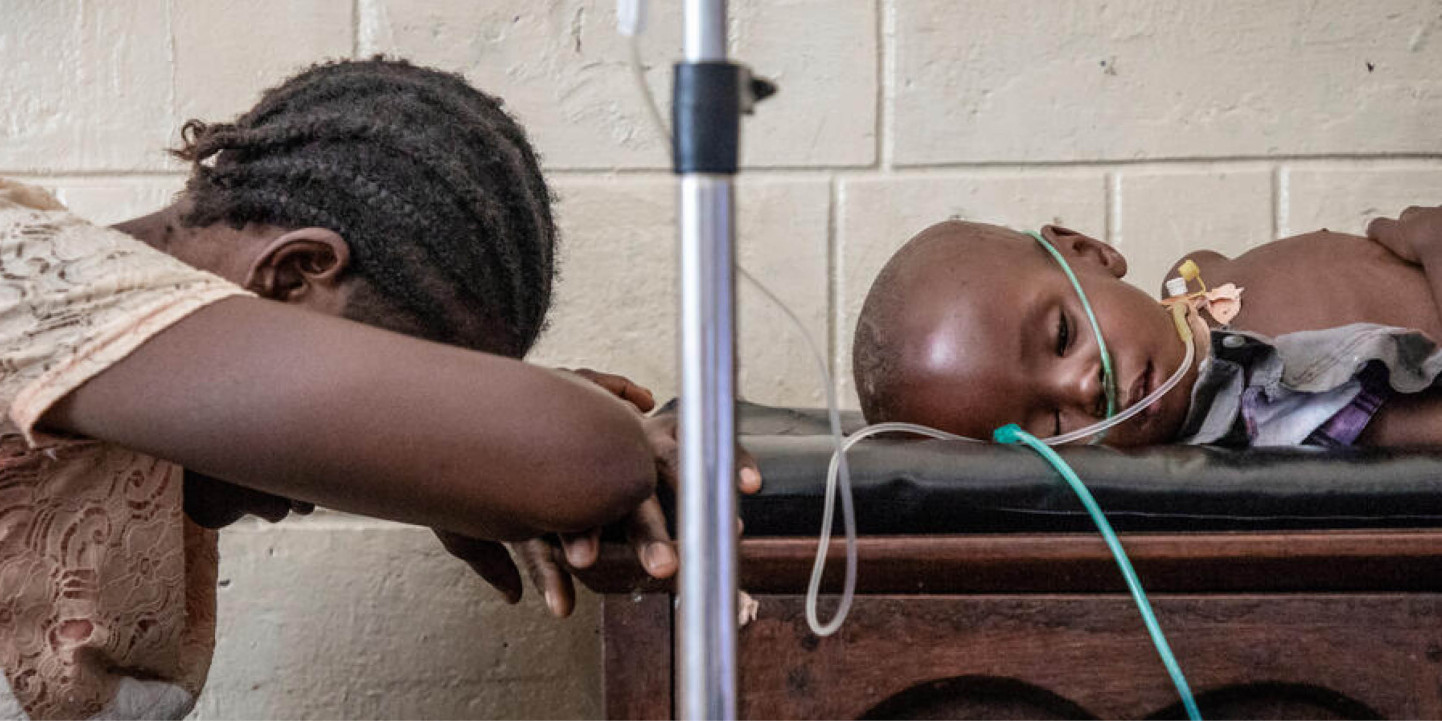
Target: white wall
x,y
1160,125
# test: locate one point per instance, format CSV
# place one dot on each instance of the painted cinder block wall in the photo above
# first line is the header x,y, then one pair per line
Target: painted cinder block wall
x,y
1159,125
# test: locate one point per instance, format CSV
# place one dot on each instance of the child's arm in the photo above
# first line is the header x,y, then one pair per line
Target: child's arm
x,y
1411,420
1406,420
329,411
1416,237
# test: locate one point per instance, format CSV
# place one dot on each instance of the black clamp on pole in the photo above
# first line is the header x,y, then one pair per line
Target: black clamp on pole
x,y
706,115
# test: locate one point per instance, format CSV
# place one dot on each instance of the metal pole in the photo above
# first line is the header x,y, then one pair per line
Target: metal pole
x,y
707,613
705,31
708,495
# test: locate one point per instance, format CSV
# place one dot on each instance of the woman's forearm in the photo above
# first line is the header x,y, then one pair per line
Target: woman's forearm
x,y
333,412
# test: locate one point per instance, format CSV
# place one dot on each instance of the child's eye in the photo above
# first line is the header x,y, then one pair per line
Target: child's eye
x,y
1063,334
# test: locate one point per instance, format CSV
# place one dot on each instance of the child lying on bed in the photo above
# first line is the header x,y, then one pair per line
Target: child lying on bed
x,y
970,327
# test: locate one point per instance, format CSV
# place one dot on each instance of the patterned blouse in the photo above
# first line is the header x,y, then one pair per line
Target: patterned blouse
x,y
107,591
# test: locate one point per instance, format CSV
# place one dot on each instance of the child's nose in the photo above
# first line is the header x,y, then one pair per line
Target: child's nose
x,y
1084,387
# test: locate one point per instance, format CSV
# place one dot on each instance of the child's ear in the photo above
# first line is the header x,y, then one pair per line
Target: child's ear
x,y
301,266
1086,248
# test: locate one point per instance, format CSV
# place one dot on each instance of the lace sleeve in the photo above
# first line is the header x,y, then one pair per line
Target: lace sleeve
x,y
76,298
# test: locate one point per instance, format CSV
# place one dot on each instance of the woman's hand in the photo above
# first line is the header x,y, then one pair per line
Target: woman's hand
x,y
212,503
622,387
1415,236
548,560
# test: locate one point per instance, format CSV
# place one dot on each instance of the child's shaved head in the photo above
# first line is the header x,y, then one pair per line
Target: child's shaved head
x,y
971,326
898,314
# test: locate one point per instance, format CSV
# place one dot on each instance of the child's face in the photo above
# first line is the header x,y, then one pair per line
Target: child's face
x,y
994,333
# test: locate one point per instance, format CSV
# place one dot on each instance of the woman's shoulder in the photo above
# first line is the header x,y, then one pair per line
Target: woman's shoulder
x,y
30,213
16,195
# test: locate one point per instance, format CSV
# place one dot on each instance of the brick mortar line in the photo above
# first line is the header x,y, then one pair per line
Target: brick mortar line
x,y
885,87
355,29
1238,164
1113,209
1180,160
833,287
1358,163
1281,201
1401,159
172,94
133,175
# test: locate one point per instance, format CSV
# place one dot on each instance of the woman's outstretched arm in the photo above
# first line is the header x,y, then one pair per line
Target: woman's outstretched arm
x,y
333,412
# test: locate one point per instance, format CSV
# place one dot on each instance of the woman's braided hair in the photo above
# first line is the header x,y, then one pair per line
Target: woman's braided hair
x,y
430,182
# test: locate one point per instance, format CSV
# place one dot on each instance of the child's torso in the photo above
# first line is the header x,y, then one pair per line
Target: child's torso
x,y
1324,280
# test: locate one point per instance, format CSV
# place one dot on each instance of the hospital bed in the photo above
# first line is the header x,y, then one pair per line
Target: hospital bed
x,y
1291,583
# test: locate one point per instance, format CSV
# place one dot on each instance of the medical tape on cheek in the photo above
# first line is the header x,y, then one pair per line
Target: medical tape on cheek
x,y
1109,384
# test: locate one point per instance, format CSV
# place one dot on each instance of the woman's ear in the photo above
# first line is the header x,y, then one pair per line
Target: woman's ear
x,y
1086,248
302,266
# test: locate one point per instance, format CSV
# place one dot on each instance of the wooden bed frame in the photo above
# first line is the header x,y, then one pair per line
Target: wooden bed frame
x,y
1307,624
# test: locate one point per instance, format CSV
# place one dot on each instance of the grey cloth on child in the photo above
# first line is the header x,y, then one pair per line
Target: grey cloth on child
x,y
1258,391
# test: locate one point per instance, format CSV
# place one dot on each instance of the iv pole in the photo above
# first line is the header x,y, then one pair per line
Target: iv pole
x,y
706,108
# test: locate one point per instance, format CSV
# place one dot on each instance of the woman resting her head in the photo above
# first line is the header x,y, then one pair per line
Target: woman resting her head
x,y
970,327
332,312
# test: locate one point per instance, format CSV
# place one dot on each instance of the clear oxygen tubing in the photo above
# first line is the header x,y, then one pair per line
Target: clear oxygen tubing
x,y
1010,433
638,77
838,474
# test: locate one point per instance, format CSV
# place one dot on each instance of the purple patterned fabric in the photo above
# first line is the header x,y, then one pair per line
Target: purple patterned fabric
x,y
1342,429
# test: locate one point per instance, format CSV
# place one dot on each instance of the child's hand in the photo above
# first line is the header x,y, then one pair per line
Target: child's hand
x,y
1415,236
